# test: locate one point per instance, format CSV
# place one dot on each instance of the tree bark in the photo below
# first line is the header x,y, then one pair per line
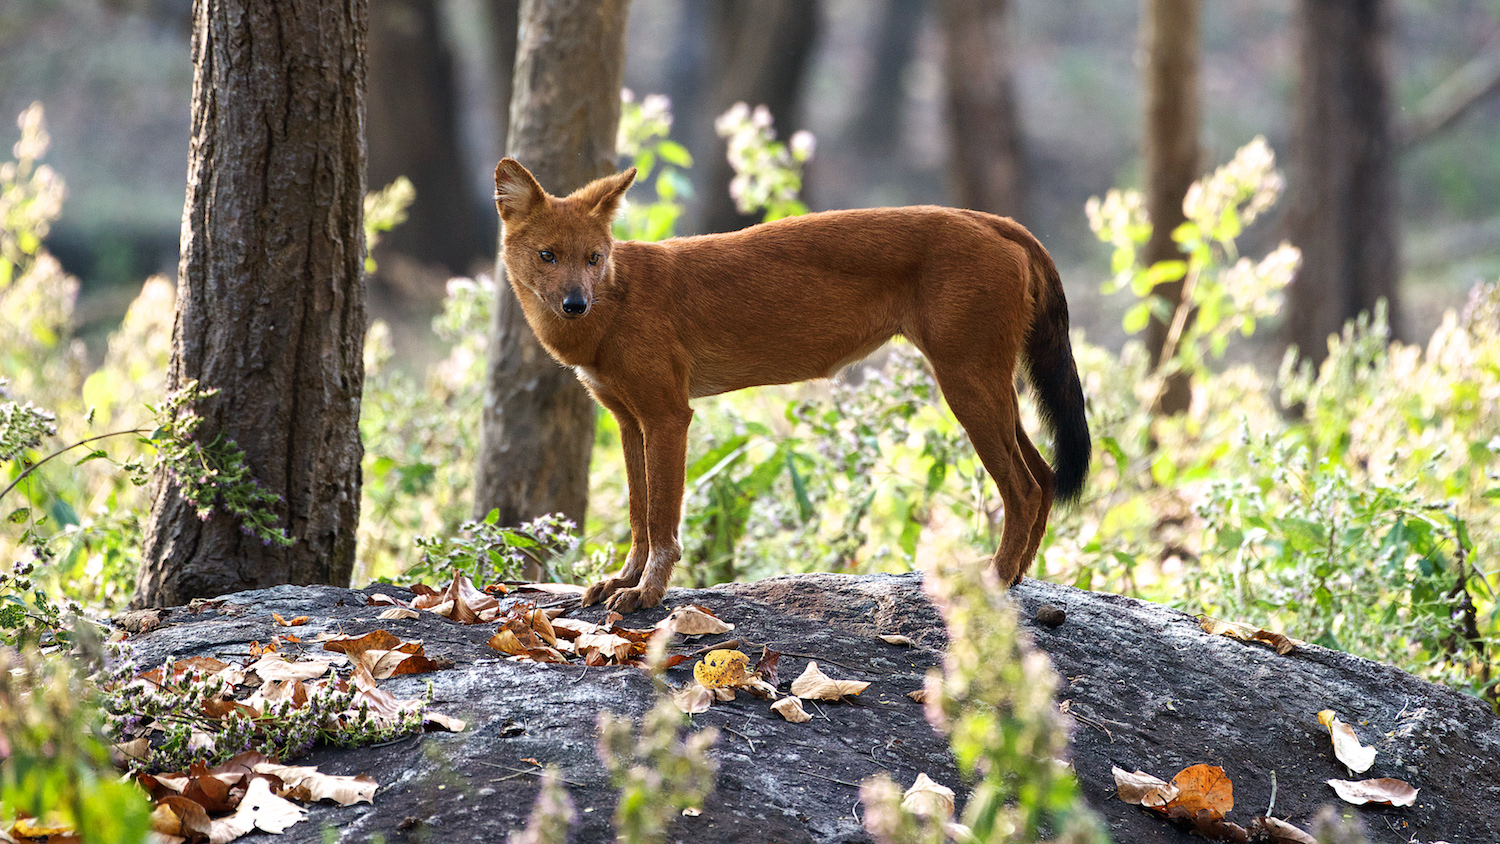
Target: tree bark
x,y
505,21
762,50
988,165
271,308
413,131
1343,214
1170,43
537,430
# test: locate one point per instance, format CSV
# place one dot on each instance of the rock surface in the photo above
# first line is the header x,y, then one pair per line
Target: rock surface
x,y
1148,690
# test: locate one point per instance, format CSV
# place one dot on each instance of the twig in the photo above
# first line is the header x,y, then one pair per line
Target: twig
x,y
831,779
747,739
37,465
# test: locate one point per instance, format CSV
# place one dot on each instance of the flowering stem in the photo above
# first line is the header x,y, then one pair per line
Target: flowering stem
x,y
33,467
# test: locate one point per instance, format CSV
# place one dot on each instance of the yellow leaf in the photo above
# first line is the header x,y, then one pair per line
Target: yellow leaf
x,y
721,668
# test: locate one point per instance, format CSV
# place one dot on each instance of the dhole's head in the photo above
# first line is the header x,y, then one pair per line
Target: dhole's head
x,y
559,249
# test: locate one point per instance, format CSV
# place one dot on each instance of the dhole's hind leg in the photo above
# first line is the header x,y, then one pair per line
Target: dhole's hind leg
x,y
985,403
1048,482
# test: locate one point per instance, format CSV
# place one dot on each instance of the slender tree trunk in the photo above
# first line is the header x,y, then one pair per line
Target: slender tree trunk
x,y
1169,40
1343,212
988,166
413,127
270,307
505,21
538,421
763,48
878,123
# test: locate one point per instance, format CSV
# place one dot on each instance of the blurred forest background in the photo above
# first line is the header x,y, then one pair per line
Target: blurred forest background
x,y
866,77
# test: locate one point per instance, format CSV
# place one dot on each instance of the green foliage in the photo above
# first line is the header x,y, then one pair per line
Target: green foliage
x,y
177,705
767,172
659,774
54,766
487,552
644,140
994,698
385,209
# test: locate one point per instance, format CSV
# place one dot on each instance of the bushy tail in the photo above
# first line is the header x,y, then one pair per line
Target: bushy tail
x,y
1054,375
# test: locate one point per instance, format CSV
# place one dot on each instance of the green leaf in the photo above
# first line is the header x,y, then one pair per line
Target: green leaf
x,y
93,455
799,489
1304,536
1137,317
492,517
674,153
19,515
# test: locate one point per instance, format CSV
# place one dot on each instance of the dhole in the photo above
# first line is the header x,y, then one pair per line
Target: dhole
x,y
649,326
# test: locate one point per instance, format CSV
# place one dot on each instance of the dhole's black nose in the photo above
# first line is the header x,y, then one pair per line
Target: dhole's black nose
x,y
574,304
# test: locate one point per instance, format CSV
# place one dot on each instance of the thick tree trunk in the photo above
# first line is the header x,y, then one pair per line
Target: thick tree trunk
x,y
762,48
1343,214
270,308
538,422
988,166
413,130
1169,41
504,21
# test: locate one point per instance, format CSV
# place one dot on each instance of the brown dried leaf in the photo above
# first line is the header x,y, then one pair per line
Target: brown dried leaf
x,y
1201,788
259,809
918,695
693,620
896,639
815,685
1279,832
398,612
766,666
296,622
572,628
791,709
1248,633
447,722
928,799
274,666
612,647
179,816
1346,746
1384,790
308,784
693,698
1142,789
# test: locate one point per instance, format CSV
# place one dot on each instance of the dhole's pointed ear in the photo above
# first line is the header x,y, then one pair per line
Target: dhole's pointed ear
x,y
604,195
516,190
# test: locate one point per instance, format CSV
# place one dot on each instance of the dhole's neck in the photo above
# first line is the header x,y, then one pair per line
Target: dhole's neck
x,y
574,342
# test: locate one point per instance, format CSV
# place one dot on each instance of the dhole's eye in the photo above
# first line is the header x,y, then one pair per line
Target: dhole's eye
x,y
593,259
547,256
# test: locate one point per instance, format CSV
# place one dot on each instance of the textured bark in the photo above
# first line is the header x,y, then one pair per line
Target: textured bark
x,y
1343,214
504,20
1170,43
538,422
762,48
988,165
270,309
413,129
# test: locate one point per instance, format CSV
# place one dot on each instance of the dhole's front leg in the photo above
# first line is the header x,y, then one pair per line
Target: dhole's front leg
x,y
655,463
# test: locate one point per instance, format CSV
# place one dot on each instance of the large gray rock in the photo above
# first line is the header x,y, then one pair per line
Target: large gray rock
x,y
1149,690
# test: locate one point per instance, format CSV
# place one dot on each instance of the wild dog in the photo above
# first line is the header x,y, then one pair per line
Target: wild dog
x,y
649,326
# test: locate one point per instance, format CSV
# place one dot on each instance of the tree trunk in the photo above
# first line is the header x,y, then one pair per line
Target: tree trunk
x,y
413,131
1343,215
762,48
538,421
988,167
878,124
270,307
1169,40
504,20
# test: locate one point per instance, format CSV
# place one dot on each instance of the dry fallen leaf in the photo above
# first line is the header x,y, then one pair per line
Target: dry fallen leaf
x,y
308,784
180,816
928,799
398,612
918,695
721,668
693,620
1142,789
612,647
815,685
295,622
693,698
259,809
1200,788
791,709
1248,633
1385,790
1346,746
894,639
447,722
1280,832
274,666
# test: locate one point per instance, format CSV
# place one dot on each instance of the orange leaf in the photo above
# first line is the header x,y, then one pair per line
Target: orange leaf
x,y
1200,788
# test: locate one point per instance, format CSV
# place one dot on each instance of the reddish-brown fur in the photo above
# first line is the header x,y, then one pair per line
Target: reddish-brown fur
x,y
648,326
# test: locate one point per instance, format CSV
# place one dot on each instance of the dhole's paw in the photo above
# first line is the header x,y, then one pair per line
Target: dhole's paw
x,y
605,588
627,601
